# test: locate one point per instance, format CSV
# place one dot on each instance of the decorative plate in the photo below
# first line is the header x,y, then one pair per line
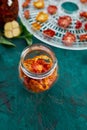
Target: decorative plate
x,y
71,8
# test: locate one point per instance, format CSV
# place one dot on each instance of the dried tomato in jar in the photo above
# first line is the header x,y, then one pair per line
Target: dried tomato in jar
x,y
38,69
8,11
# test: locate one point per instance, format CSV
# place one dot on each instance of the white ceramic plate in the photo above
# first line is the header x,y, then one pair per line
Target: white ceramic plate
x,y
52,23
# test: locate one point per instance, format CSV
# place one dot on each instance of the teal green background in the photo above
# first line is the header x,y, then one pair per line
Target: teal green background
x,y
63,107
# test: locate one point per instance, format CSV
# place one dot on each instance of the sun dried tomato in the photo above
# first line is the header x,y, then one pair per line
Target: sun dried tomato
x,y
85,26
39,4
64,21
8,13
25,3
36,26
78,24
27,14
83,37
83,14
38,64
42,17
28,1
68,39
26,80
83,1
52,9
49,32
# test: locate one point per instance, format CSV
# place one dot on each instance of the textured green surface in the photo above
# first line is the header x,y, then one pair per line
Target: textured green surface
x,y
63,107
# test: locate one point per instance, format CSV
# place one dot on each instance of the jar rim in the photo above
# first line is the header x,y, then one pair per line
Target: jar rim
x,y
45,48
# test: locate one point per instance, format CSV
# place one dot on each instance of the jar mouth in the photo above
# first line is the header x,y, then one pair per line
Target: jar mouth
x,y
38,47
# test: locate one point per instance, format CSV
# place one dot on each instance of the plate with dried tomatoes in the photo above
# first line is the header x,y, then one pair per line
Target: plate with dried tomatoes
x,y
60,23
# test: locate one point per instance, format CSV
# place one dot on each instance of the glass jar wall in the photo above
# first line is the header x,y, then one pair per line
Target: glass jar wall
x,y
38,69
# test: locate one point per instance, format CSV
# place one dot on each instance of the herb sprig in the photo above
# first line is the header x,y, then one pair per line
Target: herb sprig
x,y
25,34
4,41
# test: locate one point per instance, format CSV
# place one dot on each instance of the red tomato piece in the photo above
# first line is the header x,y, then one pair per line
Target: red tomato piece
x,y
83,37
83,14
83,1
64,21
36,68
85,26
68,39
26,81
52,9
27,14
40,66
28,1
49,33
78,24
25,4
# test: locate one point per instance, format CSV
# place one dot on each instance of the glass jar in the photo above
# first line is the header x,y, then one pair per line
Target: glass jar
x,y
8,11
38,69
